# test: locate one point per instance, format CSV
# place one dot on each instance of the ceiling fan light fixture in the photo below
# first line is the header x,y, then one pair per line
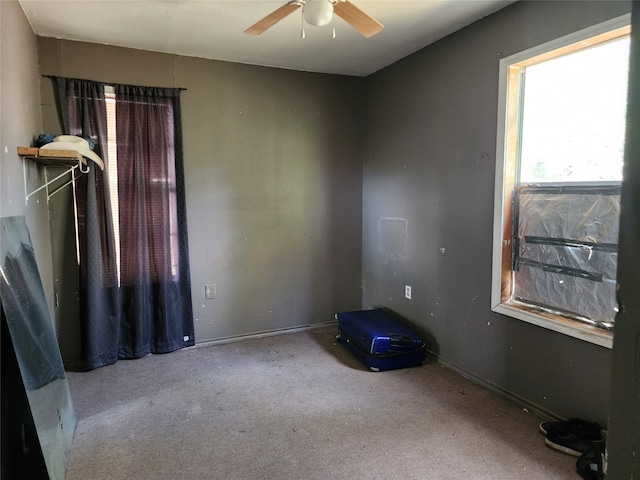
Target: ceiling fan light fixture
x,y
318,12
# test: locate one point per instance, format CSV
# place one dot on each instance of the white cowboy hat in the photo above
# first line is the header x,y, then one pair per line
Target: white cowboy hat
x,y
77,144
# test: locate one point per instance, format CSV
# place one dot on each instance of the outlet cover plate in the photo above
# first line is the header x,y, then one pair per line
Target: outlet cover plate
x,y
210,291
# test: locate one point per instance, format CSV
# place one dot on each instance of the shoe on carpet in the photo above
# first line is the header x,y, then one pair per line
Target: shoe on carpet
x,y
590,430
590,465
573,436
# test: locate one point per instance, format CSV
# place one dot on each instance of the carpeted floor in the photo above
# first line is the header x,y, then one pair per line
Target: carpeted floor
x,y
297,406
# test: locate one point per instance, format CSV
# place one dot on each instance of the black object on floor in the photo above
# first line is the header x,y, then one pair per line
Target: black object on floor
x,y
380,340
591,430
590,465
573,436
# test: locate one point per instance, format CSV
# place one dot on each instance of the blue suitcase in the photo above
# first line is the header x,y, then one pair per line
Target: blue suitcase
x,y
380,340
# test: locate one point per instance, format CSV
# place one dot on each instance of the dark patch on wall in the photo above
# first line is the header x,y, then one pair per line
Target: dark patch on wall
x,y
393,234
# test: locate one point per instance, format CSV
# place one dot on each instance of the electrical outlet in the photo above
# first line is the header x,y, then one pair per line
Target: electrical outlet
x,y
210,291
407,291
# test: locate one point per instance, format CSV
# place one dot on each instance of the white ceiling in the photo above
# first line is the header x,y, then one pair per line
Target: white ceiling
x,y
214,29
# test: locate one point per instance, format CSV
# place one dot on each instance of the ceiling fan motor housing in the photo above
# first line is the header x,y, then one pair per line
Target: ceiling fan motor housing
x,y
318,12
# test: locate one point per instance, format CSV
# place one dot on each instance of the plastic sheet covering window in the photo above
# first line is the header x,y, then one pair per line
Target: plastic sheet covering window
x,y
565,250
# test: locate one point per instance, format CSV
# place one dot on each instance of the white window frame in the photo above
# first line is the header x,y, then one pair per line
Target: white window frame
x,y
505,178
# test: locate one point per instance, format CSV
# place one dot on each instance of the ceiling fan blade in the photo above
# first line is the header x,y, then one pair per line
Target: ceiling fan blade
x,y
273,18
355,17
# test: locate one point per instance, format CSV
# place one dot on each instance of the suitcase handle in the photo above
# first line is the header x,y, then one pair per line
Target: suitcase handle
x,y
402,341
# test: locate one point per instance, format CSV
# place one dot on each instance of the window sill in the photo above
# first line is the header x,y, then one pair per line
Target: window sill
x,y
559,324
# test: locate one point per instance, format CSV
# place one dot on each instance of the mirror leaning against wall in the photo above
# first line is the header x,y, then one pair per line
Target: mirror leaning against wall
x,y
36,348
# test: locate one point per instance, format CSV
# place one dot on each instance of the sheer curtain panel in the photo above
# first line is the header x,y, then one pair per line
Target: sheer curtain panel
x,y
83,112
154,274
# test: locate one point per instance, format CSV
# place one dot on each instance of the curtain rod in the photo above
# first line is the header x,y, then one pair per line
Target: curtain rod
x,y
112,83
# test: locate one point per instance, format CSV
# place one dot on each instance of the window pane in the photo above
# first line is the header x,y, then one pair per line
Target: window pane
x,y
566,256
146,190
112,171
574,116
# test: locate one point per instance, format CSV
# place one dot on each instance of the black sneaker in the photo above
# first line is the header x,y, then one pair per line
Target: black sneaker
x,y
573,436
590,463
590,430
569,443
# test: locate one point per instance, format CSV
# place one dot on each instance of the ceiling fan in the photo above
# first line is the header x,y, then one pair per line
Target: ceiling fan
x,y
319,13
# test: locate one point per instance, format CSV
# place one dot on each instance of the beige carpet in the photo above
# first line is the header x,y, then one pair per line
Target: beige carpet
x,y
297,406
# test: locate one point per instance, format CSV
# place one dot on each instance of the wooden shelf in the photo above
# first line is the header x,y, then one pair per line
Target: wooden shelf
x,y
67,159
52,158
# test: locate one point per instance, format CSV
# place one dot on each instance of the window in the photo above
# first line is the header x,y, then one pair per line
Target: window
x,y
561,126
112,171
159,186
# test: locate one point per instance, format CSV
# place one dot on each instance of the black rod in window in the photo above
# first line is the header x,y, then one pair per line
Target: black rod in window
x,y
573,272
568,242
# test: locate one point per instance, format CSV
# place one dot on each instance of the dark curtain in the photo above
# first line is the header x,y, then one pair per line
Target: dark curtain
x,y
83,111
155,285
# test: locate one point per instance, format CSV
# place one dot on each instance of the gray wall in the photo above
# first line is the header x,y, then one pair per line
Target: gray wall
x,y
20,123
430,161
273,162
